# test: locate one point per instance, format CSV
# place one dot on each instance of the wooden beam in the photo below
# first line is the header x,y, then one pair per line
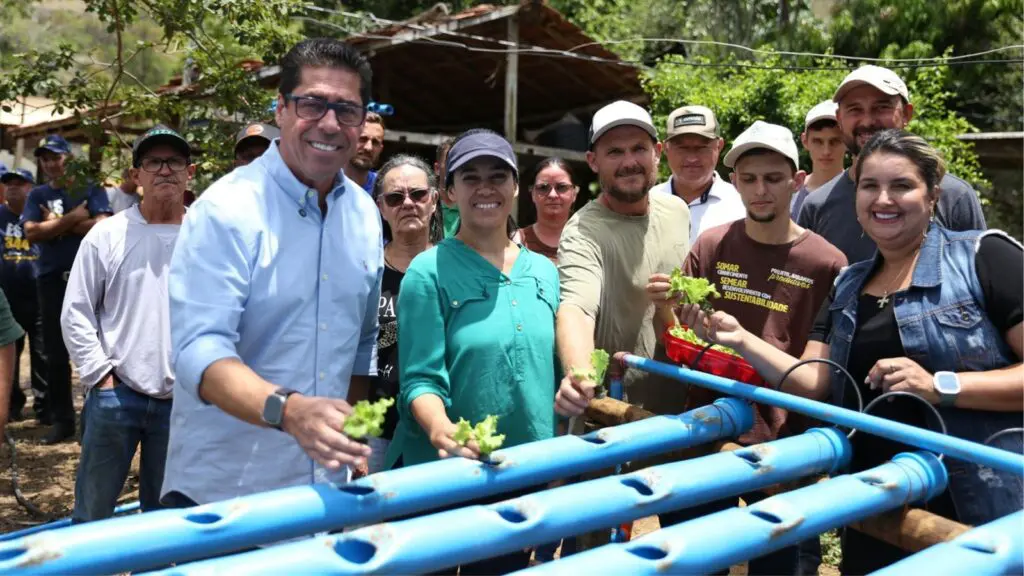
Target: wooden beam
x,y
432,31
519,147
512,80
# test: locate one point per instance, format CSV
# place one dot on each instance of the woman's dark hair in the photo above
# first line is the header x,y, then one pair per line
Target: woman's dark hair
x,y
436,226
510,226
557,162
929,162
324,53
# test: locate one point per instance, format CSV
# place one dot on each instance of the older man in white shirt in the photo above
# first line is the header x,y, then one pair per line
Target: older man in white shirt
x,y
692,147
116,326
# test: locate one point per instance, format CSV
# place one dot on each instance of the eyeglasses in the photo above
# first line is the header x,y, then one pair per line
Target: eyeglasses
x,y
543,188
155,165
314,108
396,199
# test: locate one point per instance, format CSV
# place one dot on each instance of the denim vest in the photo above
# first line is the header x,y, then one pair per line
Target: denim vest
x,y
943,326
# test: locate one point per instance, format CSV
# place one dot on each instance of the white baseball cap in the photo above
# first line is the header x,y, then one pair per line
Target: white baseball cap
x,y
883,79
764,135
822,111
620,113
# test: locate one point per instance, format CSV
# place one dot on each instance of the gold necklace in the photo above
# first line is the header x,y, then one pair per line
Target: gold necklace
x,y
884,300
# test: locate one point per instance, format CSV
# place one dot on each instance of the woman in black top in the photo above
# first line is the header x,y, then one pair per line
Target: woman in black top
x,y
935,313
406,194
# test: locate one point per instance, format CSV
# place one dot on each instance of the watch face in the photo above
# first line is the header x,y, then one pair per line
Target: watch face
x,y
273,409
947,382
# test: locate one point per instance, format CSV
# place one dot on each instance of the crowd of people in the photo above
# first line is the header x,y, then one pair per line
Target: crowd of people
x,y
231,336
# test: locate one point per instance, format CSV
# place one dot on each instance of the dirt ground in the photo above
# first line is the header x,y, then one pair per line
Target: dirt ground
x,y
46,474
47,477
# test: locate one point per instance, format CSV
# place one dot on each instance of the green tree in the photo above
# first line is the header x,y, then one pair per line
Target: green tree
x,y
112,103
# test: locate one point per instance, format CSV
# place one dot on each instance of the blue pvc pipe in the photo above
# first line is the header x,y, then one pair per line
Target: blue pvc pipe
x,y
438,541
717,541
993,548
63,522
926,439
163,537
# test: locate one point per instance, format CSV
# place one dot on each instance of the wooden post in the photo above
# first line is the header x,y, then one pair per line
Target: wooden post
x,y
19,153
512,91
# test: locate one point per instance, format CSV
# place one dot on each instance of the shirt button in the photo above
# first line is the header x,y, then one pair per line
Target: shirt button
x,y
324,277
323,326
508,282
519,327
323,375
514,303
455,302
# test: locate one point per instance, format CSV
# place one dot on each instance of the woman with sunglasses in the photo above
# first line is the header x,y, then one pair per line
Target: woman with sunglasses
x,y
476,336
553,194
406,194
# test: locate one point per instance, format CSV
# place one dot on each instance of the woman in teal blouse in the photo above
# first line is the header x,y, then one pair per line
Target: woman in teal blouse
x,y
477,332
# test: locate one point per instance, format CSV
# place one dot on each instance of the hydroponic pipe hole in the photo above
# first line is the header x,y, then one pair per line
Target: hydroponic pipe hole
x,y
204,518
648,552
11,554
355,551
639,485
512,515
356,490
767,516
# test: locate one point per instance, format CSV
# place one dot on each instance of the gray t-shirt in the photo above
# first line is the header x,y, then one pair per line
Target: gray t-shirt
x,y
831,212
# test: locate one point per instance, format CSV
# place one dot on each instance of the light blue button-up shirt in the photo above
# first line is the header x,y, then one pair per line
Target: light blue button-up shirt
x,y
260,275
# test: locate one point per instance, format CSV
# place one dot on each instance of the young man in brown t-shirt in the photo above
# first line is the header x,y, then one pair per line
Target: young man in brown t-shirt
x,y
773,277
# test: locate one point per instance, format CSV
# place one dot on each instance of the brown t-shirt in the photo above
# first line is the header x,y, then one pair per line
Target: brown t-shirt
x,y
774,290
533,244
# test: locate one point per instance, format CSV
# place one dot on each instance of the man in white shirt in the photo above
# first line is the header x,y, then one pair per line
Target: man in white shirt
x,y
116,326
692,147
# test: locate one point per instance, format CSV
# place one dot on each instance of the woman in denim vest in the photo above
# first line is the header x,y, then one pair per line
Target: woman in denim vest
x,y
935,313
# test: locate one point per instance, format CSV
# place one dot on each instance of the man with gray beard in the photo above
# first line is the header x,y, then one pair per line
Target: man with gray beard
x,y
606,254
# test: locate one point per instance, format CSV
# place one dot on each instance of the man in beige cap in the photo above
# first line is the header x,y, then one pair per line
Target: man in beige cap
x,y
872,99
692,146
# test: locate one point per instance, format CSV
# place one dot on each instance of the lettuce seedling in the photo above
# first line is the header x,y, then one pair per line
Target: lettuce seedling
x,y
692,290
367,419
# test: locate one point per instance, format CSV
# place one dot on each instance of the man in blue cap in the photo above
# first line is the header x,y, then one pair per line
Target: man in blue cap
x,y
18,279
56,217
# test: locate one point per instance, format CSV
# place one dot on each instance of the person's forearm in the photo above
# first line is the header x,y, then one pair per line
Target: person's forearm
x,y
48,229
664,319
575,337
429,412
999,390
6,382
358,389
809,380
83,227
234,388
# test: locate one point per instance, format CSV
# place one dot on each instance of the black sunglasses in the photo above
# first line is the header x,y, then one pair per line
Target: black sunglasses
x,y
315,108
396,199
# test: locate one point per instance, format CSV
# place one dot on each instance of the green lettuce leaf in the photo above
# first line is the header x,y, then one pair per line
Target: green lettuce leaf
x,y
692,290
367,419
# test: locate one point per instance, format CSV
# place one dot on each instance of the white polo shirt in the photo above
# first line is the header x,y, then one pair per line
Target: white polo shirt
x,y
721,204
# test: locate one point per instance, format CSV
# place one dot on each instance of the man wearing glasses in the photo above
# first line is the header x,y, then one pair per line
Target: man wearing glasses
x,y
56,217
117,330
274,291
692,147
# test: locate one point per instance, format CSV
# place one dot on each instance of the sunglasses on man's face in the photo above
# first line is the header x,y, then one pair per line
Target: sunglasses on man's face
x,y
396,199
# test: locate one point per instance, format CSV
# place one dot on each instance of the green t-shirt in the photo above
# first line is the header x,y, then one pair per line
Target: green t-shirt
x,y
482,341
451,219
10,331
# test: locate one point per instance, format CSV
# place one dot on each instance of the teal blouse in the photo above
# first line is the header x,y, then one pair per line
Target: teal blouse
x,y
482,341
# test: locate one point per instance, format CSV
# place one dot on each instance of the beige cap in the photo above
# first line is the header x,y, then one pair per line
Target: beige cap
x,y
764,135
692,120
620,113
822,111
883,79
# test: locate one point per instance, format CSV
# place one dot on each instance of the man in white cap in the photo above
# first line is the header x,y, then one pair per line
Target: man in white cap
x,y
824,143
773,276
872,99
608,250
692,146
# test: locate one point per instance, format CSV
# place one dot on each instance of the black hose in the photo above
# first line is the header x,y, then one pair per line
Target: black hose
x,y
834,364
1003,433
935,411
25,502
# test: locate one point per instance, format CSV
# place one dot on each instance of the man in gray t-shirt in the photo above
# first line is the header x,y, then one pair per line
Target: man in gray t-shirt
x,y
872,99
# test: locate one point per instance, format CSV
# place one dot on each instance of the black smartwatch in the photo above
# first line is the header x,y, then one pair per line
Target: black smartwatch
x,y
273,407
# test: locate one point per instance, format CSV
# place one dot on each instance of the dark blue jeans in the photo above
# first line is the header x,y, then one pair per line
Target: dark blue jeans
x,y
114,422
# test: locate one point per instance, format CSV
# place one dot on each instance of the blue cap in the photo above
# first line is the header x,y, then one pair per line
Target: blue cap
x,y
3,168
54,143
19,173
477,145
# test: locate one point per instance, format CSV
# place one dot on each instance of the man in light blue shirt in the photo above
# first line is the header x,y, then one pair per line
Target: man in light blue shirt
x,y
274,290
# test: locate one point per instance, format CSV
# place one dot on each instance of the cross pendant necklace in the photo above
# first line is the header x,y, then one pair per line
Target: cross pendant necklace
x,y
884,300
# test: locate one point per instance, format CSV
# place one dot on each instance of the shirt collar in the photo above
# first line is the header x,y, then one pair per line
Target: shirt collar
x,y
285,178
715,179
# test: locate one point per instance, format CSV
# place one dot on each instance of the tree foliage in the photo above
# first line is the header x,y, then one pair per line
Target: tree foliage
x,y
111,101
